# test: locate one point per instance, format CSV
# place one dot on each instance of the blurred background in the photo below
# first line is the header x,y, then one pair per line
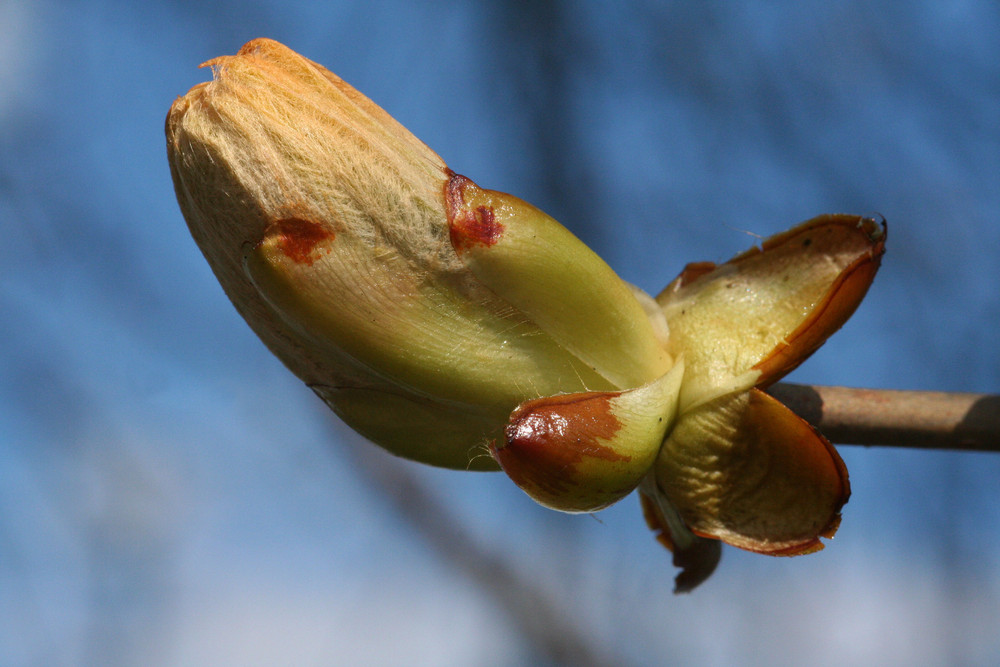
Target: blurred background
x,y
171,495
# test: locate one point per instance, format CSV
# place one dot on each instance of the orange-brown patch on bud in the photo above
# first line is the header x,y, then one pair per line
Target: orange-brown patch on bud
x,y
555,451
298,238
469,224
582,419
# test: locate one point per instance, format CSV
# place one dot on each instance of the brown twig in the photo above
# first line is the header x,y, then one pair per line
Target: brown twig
x,y
893,418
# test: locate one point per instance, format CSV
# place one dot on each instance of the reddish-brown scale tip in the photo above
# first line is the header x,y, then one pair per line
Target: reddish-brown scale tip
x,y
297,238
553,450
468,226
556,421
472,228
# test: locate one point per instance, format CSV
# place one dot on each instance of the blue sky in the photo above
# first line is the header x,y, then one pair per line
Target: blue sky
x,y
171,495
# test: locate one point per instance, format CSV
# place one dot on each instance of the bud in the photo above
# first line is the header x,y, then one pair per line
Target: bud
x,y
443,320
422,308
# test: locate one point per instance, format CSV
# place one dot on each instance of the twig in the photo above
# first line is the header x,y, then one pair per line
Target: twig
x,y
893,418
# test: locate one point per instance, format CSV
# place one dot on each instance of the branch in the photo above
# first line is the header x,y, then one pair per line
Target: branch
x,y
547,624
893,418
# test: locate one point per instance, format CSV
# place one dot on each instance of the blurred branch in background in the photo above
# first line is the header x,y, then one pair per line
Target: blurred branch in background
x,y
893,418
546,625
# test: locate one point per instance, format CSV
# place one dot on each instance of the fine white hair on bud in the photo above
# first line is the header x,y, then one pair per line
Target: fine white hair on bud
x,y
354,253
